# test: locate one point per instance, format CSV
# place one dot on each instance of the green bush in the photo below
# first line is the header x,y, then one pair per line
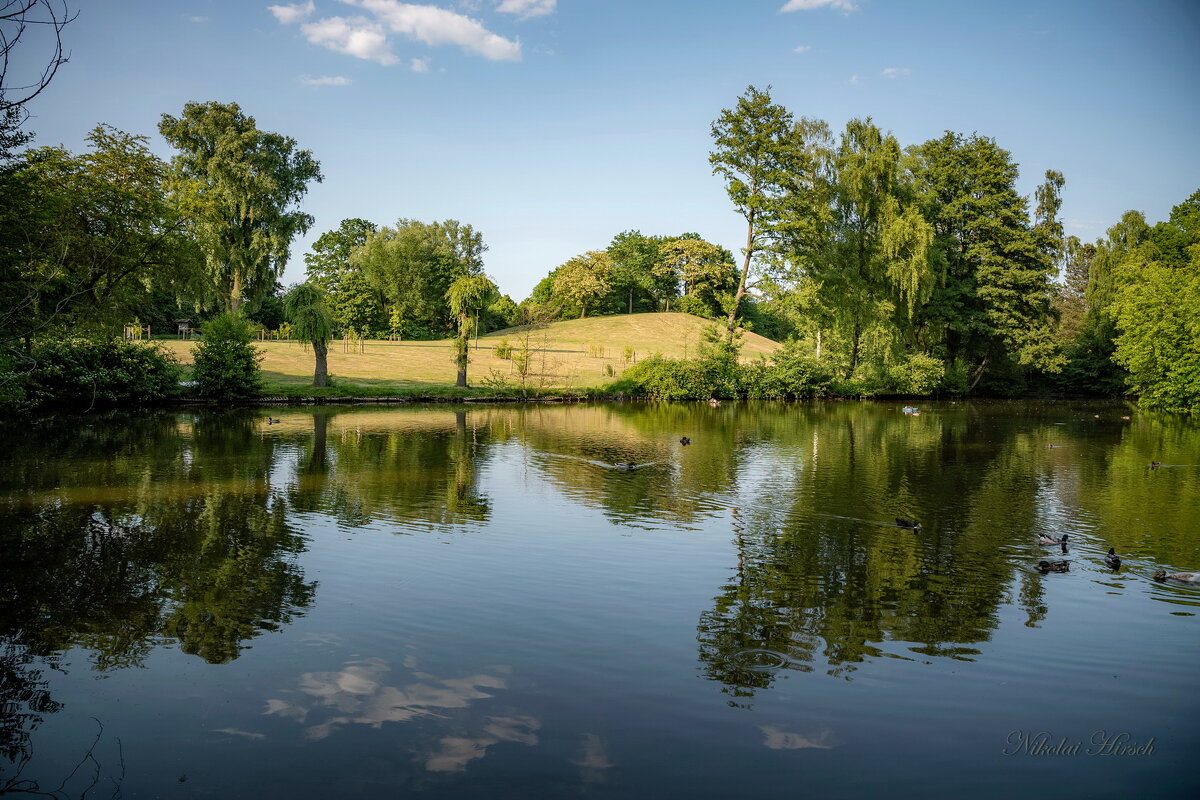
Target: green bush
x,y
94,372
791,374
226,363
917,374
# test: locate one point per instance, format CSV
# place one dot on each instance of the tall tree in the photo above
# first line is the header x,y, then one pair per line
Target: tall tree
x,y
876,267
466,297
993,296
312,323
241,187
756,153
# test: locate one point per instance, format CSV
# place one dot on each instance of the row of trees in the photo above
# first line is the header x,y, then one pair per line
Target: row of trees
x,y
894,261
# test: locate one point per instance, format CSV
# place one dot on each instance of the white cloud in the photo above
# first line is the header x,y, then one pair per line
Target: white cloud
x,y
420,65
896,72
436,26
197,19
804,48
805,5
354,36
326,80
855,80
527,8
292,13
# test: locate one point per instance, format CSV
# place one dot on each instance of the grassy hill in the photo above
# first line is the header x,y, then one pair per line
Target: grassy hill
x,y
571,353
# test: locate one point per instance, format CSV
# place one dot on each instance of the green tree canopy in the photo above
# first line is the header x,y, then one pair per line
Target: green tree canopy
x,y
240,186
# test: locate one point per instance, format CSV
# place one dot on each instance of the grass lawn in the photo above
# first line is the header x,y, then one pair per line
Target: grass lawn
x,y
568,354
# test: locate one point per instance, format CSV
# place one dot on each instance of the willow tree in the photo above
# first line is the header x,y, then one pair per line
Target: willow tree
x,y
240,186
466,296
312,323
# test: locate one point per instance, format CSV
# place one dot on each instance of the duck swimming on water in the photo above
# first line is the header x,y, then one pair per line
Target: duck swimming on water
x,y
1112,559
1182,577
685,441
912,524
1054,566
1047,539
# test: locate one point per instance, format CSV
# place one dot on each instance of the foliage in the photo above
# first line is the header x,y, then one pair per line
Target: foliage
x,y
467,296
312,323
240,187
226,364
86,239
917,374
353,301
584,280
414,265
1158,314
87,373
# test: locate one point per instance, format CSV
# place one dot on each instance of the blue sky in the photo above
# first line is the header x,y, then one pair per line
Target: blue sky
x,y
552,125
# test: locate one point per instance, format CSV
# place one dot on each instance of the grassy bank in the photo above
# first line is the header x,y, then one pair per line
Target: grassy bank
x,y
564,356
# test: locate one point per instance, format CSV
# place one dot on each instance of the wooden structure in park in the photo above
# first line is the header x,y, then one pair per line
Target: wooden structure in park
x,y
184,328
137,332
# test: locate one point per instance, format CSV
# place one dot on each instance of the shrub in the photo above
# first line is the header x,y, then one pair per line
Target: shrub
x,y
226,363
503,350
791,374
91,372
917,374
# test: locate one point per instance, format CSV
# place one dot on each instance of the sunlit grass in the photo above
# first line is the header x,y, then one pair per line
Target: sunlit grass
x,y
570,354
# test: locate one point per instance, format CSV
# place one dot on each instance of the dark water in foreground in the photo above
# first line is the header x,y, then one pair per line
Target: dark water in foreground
x,y
473,603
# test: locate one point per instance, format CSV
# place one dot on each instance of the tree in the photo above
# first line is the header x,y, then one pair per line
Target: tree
x,y
312,323
992,297
705,270
353,301
16,16
225,364
584,280
240,186
634,258
88,237
414,265
756,154
466,297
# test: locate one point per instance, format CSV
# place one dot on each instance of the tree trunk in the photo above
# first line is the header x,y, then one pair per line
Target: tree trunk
x,y
731,323
854,350
460,360
321,351
630,299
235,294
818,342
978,374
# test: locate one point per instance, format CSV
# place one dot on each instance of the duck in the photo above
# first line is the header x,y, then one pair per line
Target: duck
x,y
626,466
1155,464
1047,539
685,440
272,421
1054,566
1112,559
714,402
1183,577
907,523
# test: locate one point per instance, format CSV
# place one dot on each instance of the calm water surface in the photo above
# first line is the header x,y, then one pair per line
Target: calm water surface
x,y
474,602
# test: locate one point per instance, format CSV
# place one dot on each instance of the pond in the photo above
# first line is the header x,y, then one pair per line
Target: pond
x,y
478,601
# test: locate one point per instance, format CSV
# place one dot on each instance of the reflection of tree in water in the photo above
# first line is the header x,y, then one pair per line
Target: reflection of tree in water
x,y
427,474
821,574
136,531
24,698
